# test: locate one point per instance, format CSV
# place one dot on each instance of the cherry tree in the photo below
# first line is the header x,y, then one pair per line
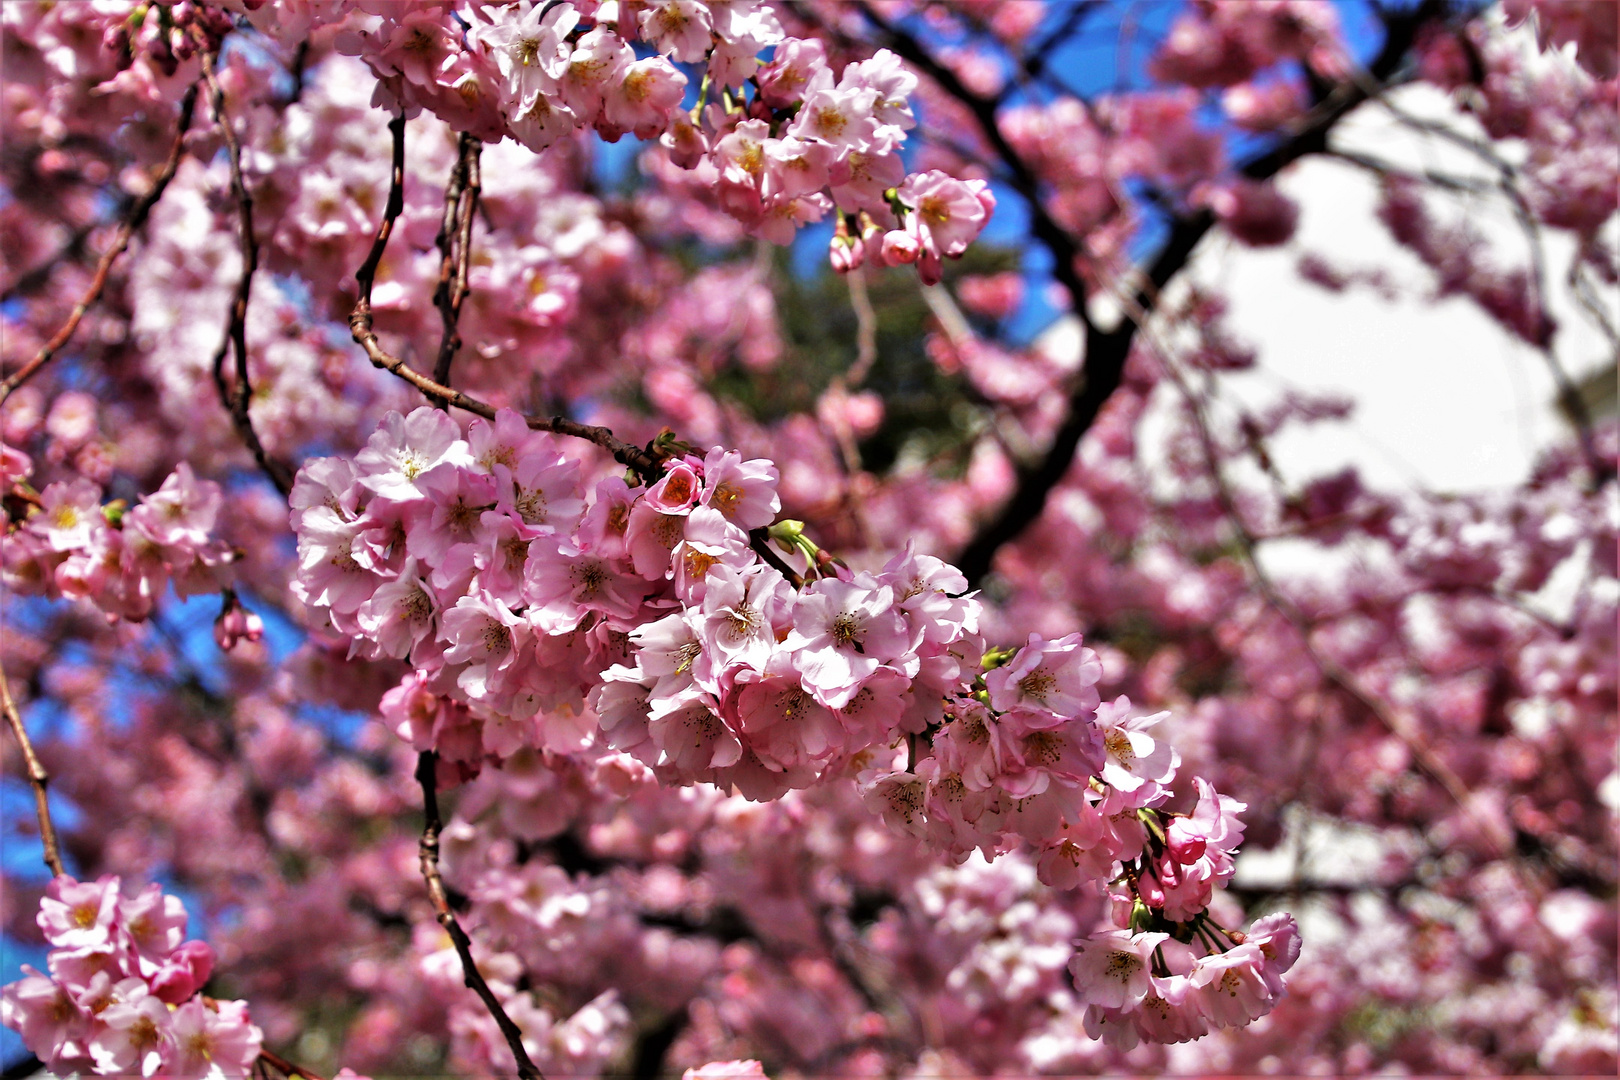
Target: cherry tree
x,y
482,595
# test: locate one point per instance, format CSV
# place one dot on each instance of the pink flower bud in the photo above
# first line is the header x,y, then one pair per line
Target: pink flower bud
x,y
184,973
846,254
236,624
899,247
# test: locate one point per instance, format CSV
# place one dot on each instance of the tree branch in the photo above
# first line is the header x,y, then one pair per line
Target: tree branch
x,y
455,246
1106,351
643,461
37,777
138,212
31,281
237,401
428,856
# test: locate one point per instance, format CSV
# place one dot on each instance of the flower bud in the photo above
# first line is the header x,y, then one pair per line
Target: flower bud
x,y
899,247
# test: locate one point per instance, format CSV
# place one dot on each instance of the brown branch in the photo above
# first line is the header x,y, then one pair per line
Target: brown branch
x,y
428,856
285,1067
31,281
237,401
138,212
460,204
645,462
37,777
760,540
1106,351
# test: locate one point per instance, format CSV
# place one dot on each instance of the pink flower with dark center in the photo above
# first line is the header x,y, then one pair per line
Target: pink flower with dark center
x,y
670,652
400,614
205,1043
79,915
1230,988
741,613
783,81
694,738
898,797
134,1032
181,513
599,59
1112,969
948,214
843,631
839,116
448,515
643,97
652,538
710,541
329,575
783,724
68,512
51,1025
152,922
677,492
1059,677
481,631
1138,767
678,28
541,491
563,586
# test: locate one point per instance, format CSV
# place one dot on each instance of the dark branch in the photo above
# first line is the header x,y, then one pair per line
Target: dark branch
x,y
238,400
138,212
455,247
32,281
428,856
360,327
22,1067
1106,351
652,1045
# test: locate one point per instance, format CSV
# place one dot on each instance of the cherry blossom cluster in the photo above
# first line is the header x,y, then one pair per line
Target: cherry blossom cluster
x,y
1145,986
121,559
645,618
784,143
122,993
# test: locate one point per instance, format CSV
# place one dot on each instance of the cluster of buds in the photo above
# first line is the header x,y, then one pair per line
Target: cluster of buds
x,y
167,34
938,217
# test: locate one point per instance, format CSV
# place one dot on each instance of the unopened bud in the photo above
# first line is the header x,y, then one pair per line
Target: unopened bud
x,y
899,247
236,624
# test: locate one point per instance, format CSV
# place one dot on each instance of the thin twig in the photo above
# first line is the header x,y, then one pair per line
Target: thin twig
x,y
428,856
285,1067
37,777
760,540
237,401
31,281
1569,396
455,246
645,462
1427,760
1106,351
138,212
